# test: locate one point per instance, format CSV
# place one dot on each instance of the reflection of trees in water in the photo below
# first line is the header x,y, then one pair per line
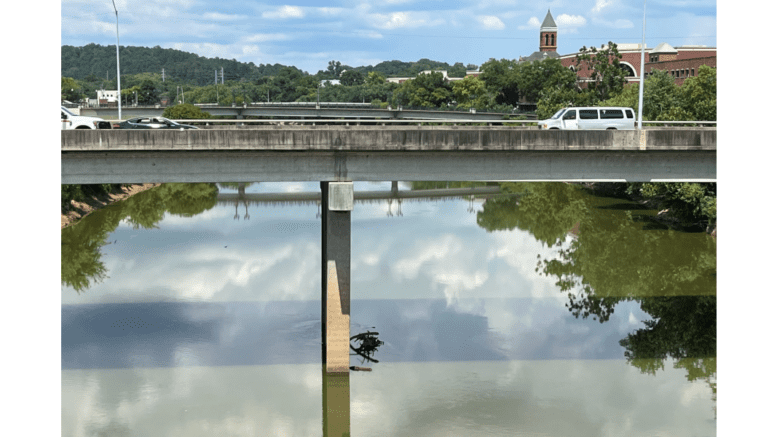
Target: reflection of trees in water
x,y
80,248
612,258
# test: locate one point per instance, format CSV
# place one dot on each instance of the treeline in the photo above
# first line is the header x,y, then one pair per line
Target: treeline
x,y
501,85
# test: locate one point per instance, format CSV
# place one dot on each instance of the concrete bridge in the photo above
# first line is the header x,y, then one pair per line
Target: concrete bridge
x,y
338,155
386,153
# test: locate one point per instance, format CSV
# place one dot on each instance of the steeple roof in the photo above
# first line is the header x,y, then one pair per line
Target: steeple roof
x,y
548,25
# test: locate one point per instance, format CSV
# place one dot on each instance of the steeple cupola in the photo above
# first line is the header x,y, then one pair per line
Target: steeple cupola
x,y
548,34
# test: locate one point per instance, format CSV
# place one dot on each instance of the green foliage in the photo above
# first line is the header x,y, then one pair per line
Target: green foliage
x,y
80,193
148,93
426,90
548,74
71,90
81,259
471,92
184,112
531,212
663,100
603,69
351,78
501,80
699,94
692,203
375,78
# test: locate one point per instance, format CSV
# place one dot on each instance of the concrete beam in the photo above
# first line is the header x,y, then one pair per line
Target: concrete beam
x,y
602,165
379,153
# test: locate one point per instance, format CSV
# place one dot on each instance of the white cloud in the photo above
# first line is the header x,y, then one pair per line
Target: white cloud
x,y
491,22
263,37
398,20
602,4
330,11
223,17
617,24
565,20
532,24
285,12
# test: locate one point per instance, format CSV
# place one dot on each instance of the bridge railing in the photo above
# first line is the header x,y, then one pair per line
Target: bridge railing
x,y
383,122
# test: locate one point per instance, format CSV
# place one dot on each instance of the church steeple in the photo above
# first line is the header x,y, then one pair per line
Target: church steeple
x,y
548,34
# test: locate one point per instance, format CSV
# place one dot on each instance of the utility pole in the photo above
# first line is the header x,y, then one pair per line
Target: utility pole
x,y
642,67
163,75
118,70
222,75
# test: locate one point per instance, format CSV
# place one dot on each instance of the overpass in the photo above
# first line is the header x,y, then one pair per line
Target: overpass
x,y
386,153
306,110
338,155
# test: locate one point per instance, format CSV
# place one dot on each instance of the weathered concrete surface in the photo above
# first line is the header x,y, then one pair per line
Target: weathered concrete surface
x,y
338,325
377,153
383,138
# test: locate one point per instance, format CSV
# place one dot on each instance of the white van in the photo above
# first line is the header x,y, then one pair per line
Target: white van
x,y
591,117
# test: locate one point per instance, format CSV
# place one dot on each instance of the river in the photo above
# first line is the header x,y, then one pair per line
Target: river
x,y
543,311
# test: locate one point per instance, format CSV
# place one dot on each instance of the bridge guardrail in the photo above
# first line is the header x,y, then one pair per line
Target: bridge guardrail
x,y
348,122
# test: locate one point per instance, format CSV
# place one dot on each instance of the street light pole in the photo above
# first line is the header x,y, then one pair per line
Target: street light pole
x,y
118,70
642,67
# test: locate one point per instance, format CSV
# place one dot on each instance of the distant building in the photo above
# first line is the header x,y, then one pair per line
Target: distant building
x,y
108,95
681,62
444,76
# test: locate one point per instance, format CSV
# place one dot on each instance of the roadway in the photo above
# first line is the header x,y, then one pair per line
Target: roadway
x,y
308,111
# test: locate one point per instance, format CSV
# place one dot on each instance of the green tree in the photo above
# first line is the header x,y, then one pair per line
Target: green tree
x,y
375,78
534,77
185,111
661,101
602,67
148,93
471,92
426,91
691,203
71,90
501,79
699,95
351,77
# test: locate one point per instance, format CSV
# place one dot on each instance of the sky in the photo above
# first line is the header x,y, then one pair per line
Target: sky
x,y
309,34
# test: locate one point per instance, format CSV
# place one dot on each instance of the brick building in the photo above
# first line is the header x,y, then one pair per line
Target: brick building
x,y
681,62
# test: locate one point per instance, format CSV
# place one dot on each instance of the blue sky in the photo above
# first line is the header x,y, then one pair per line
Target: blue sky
x,y
308,34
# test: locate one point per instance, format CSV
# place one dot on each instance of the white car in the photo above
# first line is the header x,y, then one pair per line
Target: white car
x,y
594,117
72,121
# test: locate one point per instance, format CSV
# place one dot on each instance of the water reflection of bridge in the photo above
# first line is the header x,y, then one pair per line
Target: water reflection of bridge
x,y
392,197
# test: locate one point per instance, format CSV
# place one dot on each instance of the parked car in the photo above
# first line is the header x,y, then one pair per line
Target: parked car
x,y
593,117
151,123
72,121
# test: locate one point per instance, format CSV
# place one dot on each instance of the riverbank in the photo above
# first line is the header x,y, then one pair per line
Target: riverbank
x,y
666,216
79,210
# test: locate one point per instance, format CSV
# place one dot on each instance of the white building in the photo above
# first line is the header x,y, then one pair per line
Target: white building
x,y
109,96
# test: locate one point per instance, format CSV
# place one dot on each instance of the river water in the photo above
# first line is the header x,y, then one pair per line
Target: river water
x,y
547,311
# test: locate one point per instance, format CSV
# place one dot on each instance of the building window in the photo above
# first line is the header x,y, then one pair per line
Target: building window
x,y
552,39
692,72
546,39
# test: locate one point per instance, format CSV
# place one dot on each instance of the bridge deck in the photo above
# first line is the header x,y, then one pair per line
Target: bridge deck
x,y
379,153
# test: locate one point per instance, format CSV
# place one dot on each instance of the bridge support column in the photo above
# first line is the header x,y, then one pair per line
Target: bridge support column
x,y
336,207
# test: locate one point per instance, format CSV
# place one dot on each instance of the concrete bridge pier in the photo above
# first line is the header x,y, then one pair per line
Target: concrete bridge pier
x,y
336,207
